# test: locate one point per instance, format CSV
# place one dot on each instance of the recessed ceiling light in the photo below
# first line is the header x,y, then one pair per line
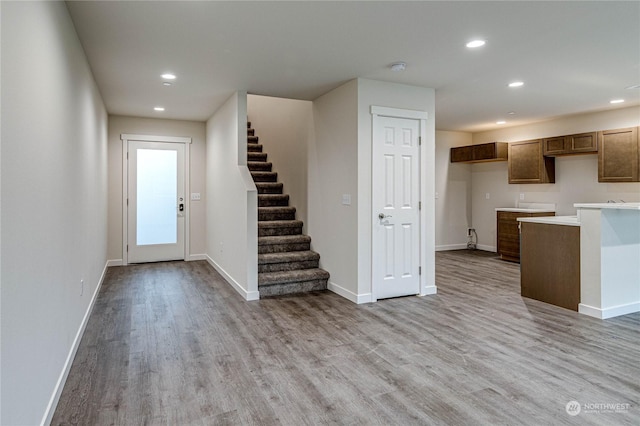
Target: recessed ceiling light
x,y
158,108
635,86
511,113
168,76
398,66
476,43
516,84
166,83
616,101
501,122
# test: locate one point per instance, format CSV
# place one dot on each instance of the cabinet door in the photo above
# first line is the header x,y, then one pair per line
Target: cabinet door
x,y
461,154
582,143
485,151
554,146
618,155
528,165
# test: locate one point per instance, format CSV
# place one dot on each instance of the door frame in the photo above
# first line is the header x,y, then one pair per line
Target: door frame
x,y
126,137
421,116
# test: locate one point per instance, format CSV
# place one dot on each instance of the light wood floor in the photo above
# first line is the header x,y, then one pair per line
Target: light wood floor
x,y
172,343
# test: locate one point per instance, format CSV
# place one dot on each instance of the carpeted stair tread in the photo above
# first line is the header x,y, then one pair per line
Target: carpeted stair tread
x,y
256,156
269,187
280,224
283,239
259,166
264,176
272,200
283,277
292,256
250,132
254,147
276,213
252,139
286,289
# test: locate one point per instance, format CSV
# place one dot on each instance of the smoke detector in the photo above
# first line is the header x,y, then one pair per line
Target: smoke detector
x,y
398,66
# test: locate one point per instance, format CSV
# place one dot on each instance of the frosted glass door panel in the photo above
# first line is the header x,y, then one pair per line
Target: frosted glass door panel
x,y
157,195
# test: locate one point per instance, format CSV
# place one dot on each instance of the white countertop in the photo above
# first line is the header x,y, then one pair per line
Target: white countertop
x,y
619,206
552,220
519,210
530,208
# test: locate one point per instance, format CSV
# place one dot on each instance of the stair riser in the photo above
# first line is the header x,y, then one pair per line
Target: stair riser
x,y
252,139
274,232
259,167
256,156
251,132
273,201
254,148
264,177
291,288
287,266
269,189
276,215
283,248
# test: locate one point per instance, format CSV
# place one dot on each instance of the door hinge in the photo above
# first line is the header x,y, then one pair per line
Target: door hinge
x,y
127,201
419,140
419,270
127,155
127,248
419,205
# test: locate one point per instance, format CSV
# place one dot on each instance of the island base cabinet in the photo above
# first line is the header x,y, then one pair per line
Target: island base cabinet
x,y
550,263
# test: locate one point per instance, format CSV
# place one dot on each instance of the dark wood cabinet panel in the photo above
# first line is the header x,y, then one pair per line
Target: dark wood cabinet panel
x,y
527,164
484,152
583,143
508,233
550,264
461,154
618,159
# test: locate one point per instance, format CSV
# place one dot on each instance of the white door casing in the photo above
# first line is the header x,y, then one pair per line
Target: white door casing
x,y
396,229
174,153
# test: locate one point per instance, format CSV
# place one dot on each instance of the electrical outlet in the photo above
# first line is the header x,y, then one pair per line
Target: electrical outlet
x,y
487,196
521,196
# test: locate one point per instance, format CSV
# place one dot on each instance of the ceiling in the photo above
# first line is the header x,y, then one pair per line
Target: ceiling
x,y
573,56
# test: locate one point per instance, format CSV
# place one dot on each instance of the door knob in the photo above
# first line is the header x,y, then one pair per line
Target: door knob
x,y
382,216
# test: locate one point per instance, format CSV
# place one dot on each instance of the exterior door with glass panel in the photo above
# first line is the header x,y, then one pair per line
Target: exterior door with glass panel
x,y
156,202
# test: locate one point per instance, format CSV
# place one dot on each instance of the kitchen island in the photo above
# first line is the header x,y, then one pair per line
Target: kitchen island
x,y
591,260
609,259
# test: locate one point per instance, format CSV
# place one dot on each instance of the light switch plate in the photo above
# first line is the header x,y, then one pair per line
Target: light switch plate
x,y
346,199
195,196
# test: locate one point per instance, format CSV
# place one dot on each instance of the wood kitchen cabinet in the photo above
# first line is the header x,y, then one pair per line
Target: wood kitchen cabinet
x,y
583,143
508,233
484,152
527,164
550,264
618,157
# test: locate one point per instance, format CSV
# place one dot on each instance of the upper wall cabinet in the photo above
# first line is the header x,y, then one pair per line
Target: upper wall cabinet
x,y
484,152
583,143
618,159
527,164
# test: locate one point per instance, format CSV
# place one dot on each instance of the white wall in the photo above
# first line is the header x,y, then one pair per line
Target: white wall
x,y
576,176
340,163
333,171
196,175
54,177
453,193
231,198
284,127
401,96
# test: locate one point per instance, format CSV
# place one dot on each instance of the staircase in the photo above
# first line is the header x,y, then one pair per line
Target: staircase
x,y
286,264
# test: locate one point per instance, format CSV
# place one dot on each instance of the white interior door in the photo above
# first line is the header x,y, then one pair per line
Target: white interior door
x,y
395,199
156,202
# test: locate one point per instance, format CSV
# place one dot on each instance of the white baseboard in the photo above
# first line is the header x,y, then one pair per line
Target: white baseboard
x,y
193,257
487,248
62,379
115,262
429,290
348,294
451,247
604,313
247,295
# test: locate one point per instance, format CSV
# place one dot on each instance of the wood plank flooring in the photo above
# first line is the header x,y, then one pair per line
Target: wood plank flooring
x,y
172,343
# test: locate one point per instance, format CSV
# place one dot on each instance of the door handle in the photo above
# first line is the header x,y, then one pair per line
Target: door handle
x,y
383,216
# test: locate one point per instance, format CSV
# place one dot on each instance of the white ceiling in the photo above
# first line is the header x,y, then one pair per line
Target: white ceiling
x,y
573,56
